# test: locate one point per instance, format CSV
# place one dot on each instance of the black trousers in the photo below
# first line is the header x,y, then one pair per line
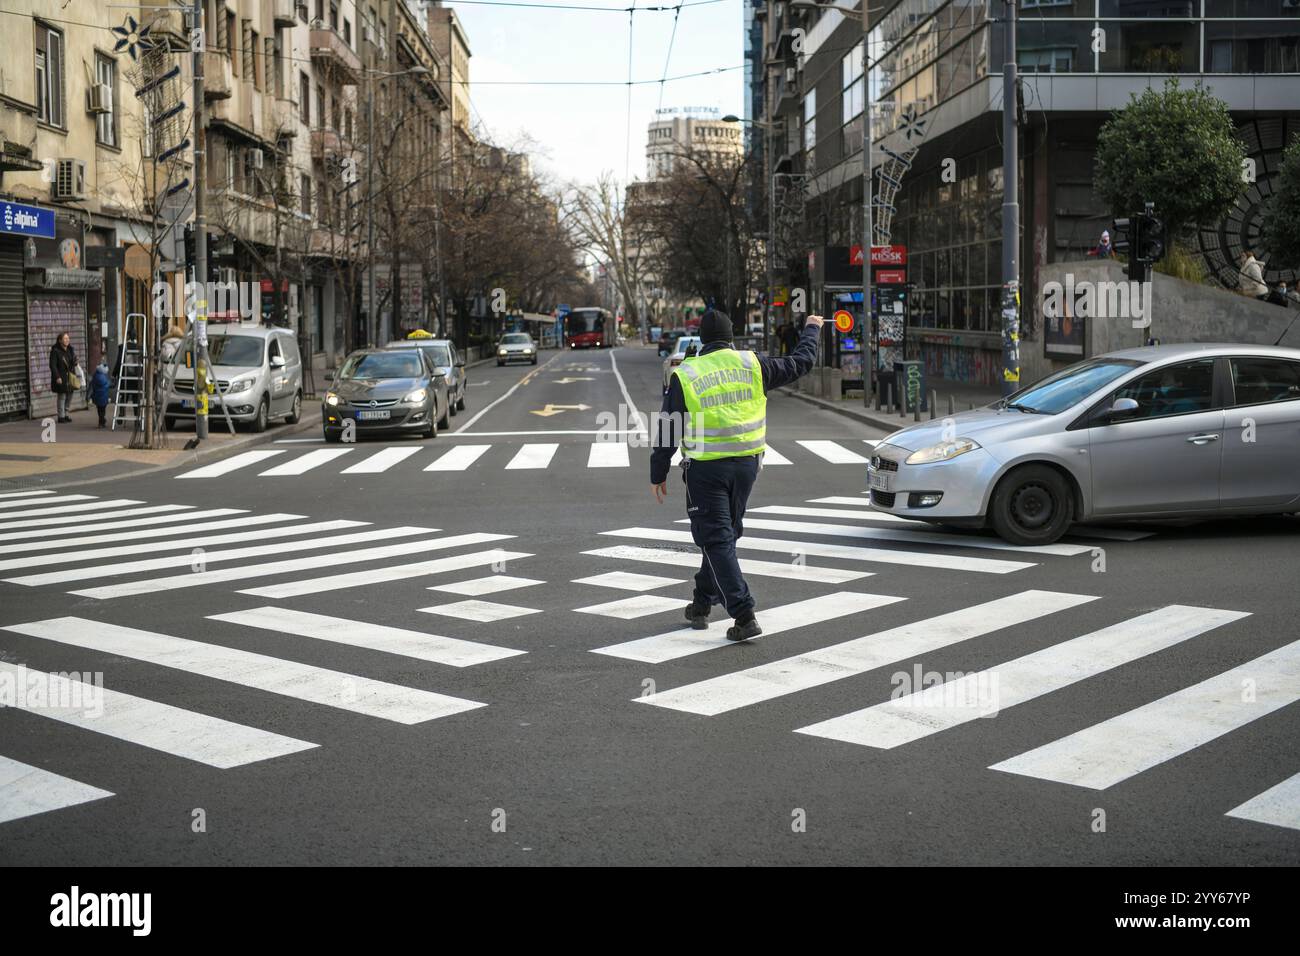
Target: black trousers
x,y
717,492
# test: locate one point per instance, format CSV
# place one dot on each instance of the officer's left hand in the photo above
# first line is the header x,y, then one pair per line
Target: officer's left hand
x,y
661,491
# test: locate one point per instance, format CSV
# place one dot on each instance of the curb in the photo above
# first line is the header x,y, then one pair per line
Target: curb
x,y
857,414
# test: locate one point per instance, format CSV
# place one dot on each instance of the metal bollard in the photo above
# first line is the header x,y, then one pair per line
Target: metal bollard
x,y
934,400
952,408
889,397
916,406
877,396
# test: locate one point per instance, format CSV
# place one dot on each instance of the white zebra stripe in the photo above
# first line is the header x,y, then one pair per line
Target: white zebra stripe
x,y
16,519
381,460
940,538
233,463
48,527
833,452
771,569
533,455
304,463
162,531
26,791
1278,806
458,458
608,454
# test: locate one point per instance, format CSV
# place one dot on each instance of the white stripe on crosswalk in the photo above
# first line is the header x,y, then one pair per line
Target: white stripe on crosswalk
x,y
943,539
833,452
533,455
25,494
162,514
628,581
862,501
162,727
873,442
483,612
773,457
919,559
163,531
493,583
375,637
17,519
1110,752
1110,534
397,572
233,463
381,460
608,454
304,463
458,458
229,554
860,514
685,640
330,559
26,791
60,499
1278,806
850,658
983,694
150,547
317,685
638,605
771,569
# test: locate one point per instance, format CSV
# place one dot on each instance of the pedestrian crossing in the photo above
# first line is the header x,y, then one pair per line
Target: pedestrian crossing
x,y
528,456
192,547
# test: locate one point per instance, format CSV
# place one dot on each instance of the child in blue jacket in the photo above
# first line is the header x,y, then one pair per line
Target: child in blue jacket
x,y
99,387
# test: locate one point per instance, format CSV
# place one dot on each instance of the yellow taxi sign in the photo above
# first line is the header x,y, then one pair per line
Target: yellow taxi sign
x,y
843,320
420,334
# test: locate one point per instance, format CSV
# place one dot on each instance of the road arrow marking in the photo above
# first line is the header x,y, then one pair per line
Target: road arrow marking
x,y
550,409
567,380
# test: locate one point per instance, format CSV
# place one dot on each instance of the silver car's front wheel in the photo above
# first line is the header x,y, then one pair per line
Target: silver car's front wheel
x,y
1033,504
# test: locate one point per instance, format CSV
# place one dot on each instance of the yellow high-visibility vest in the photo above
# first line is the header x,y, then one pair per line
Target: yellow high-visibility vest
x,y
725,403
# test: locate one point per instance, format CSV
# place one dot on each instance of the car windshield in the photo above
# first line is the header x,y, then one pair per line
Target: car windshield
x,y
382,365
1068,387
516,338
244,351
687,343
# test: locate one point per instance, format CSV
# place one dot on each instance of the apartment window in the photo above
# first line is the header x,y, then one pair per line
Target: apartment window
x,y
1046,61
347,32
304,98
320,11
851,100
246,50
274,75
306,194
255,55
347,123
230,39
810,128
320,105
49,75
334,17
106,123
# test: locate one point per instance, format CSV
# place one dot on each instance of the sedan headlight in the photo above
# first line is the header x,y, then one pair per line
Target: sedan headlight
x,y
528,351
501,351
415,398
331,399
239,385
944,451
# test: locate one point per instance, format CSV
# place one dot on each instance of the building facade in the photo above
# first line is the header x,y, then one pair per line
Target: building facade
x,y
697,132
936,92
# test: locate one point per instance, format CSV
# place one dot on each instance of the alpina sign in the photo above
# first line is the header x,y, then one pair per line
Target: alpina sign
x,y
20,220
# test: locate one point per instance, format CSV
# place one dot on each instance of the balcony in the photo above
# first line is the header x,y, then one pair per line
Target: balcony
x,y
281,116
332,54
326,142
282,13
166,22
218,78
786,99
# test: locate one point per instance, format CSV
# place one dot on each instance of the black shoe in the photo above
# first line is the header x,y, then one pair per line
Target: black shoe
x,y
744,628
698,615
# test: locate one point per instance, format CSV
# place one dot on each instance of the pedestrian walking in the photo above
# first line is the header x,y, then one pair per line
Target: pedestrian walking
x,y
715,408
1278,296
1252,277
100,384
63,374
1104,249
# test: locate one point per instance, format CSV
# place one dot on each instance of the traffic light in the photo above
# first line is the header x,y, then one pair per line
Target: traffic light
x,y
1142,238
1153,238
1119,235
189,247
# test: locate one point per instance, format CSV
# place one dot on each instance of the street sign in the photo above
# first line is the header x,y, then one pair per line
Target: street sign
x,y
844,321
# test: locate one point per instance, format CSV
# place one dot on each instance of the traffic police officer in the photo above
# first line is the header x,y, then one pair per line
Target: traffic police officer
x,y
716,409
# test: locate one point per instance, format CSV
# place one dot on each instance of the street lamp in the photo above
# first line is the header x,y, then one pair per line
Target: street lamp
x,y
372,326
868,224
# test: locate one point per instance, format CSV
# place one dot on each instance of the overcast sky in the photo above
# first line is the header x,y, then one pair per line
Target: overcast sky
x,y
582,130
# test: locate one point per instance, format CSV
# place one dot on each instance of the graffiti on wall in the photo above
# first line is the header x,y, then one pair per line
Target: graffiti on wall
x,y
48,315
962,363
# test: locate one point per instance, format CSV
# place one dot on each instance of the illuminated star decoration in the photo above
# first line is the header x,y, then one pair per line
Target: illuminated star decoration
x,y
132,37
910,125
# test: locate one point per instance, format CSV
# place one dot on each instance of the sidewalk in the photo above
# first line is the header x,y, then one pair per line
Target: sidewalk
x,y
961,395
33,455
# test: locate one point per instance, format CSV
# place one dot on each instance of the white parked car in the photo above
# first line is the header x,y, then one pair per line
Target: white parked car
x,y
686,345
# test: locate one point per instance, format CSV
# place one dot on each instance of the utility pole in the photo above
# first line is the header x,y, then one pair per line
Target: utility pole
x,y
198,41
371,317
1010,208
868,217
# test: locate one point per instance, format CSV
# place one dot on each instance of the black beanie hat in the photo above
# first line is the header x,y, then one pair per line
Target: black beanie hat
x,y
715,326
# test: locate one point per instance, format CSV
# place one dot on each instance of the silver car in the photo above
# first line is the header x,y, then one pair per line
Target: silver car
x,y
516,347
258,377
447,361
1168,431
385,391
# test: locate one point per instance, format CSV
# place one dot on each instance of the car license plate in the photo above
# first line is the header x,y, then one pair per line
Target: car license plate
x,y
373,414
187,403
880,481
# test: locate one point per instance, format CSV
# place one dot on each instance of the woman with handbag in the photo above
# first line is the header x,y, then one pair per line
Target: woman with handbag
x,y
63,373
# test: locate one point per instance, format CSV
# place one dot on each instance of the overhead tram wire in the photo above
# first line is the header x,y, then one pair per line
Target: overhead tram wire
x,y
668,59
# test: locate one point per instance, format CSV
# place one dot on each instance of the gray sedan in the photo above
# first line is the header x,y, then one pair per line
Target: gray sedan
x,y
448,362
1168,431
383,391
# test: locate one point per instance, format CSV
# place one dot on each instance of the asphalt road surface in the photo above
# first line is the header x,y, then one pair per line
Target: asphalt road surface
x,y
468,650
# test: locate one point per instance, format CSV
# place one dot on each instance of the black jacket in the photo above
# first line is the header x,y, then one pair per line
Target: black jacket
x,y
776,372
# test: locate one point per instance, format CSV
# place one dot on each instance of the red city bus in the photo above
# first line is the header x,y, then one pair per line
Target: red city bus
x,y
588,328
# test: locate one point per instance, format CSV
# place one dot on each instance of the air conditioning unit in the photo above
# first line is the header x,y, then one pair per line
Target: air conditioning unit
x,y
99,99
255,158
789,74
367,34
69,179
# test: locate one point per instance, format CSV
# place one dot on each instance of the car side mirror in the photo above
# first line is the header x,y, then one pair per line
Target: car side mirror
x,y
277,361
1122,408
